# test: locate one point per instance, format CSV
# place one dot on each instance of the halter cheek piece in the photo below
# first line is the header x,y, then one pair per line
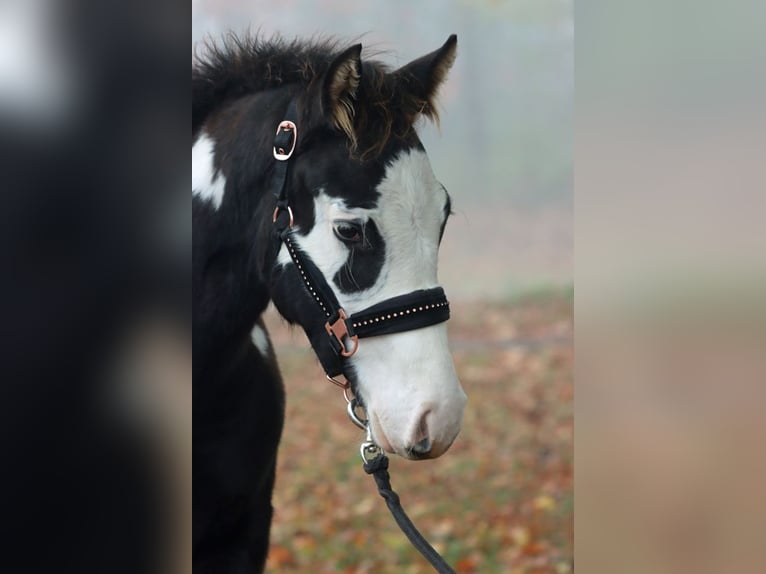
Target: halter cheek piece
x,y
414,310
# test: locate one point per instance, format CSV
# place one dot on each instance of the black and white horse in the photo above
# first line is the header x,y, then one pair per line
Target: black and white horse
x,y
369,215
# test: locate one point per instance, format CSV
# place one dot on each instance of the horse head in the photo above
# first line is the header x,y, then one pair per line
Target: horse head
x,y
359,217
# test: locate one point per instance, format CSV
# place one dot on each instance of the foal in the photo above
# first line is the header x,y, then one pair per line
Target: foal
x,y
368,213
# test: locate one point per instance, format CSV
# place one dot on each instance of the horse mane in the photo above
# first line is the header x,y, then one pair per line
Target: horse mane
x,y
238,66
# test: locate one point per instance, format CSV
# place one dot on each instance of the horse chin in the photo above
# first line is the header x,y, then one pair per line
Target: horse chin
x,y
378,436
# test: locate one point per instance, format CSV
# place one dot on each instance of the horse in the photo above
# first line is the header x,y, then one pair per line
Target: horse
x,y
337,219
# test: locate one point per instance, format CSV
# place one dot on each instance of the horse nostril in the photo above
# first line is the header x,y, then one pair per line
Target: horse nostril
x,y
422,441
422,447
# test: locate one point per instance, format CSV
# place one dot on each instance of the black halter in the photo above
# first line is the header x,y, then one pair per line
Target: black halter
x,y
414,310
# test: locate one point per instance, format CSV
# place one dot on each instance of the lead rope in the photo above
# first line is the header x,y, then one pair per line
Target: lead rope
x,y
378,468
376,464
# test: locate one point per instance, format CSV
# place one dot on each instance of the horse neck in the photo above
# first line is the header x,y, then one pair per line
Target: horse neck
x,y
238,250
232,256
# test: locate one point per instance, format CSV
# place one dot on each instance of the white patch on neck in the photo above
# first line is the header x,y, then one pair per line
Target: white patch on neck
x,y
208,183
261,340
406,379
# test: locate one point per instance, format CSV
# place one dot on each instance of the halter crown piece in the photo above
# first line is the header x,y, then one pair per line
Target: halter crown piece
x,y
406,312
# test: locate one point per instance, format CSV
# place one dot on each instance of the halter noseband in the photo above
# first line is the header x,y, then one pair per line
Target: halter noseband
x,y
414,310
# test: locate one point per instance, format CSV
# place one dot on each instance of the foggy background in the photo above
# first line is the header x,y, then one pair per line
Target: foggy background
x,y
504,150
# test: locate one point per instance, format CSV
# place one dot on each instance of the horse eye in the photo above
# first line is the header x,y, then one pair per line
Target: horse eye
x,y
348,231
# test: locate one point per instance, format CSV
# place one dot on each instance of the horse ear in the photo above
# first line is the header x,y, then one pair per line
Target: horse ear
x,y
339,89
422,78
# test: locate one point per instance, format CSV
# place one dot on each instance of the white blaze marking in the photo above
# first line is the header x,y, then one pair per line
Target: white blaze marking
x,y
260,340
405,375
207,182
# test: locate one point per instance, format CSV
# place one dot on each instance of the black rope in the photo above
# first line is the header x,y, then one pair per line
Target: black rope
x,y
378,468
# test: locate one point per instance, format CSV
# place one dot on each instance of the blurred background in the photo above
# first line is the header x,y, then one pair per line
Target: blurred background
x,y
95,361
501,499
671,318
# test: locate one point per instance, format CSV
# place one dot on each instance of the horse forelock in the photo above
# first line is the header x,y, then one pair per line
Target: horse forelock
x,y
239,66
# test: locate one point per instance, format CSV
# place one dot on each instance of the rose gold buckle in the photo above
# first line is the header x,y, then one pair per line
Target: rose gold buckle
x,y
339,330
289,212
287,126
342,384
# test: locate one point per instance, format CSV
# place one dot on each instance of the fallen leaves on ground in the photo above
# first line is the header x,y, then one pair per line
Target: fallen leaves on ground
x,y
499,501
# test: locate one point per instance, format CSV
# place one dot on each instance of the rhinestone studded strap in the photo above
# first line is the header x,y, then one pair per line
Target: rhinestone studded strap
x,y
312,277
414,310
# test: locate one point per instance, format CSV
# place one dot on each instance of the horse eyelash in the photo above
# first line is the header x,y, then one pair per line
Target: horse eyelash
x,y
449,204
349,270
365,243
